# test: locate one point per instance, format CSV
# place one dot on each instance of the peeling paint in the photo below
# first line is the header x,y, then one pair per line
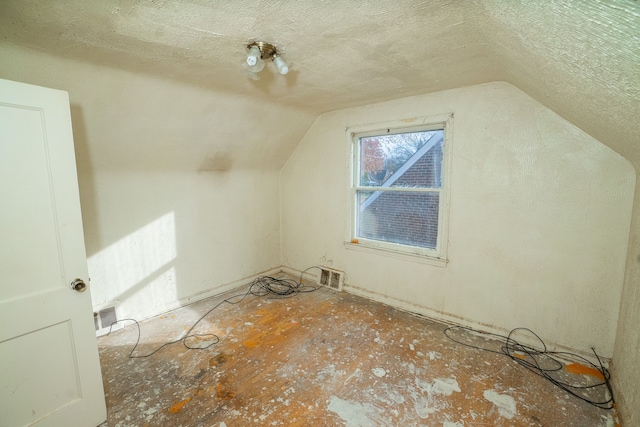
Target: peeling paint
x,y
354,414
379,372
506,404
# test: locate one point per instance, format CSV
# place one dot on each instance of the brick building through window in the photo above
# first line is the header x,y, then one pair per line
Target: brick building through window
x,y
398,188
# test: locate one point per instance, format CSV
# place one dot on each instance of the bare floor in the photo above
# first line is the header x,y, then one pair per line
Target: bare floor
x,y
322,359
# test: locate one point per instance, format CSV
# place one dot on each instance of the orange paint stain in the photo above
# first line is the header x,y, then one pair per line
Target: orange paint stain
x,y
576,368
198,392
223,392
178,406
265,320
270,337
251,343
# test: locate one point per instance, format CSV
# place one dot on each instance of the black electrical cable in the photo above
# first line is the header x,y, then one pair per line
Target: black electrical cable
x,y
261,287
532,359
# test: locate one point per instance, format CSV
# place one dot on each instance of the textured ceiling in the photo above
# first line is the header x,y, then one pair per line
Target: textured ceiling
x,y
581,59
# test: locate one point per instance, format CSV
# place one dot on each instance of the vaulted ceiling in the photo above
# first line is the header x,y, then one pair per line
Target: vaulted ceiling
x,y
581,59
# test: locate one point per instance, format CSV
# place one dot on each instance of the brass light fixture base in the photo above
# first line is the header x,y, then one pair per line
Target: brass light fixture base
x,y
267,50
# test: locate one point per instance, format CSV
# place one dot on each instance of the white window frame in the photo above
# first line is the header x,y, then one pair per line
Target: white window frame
x,y
437,256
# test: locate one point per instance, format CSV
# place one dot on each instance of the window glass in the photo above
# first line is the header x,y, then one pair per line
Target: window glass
x,y
398,188
402,160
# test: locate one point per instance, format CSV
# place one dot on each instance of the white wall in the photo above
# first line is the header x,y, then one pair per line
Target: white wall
x,y
539,218
161,238
178,185
626,357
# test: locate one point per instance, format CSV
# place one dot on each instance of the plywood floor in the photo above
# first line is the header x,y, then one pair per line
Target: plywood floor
x,y
322,359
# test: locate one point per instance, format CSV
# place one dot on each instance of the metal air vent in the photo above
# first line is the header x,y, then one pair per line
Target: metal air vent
x,y
331,278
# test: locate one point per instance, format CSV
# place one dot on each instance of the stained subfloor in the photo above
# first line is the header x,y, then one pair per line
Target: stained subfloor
x,y
323,358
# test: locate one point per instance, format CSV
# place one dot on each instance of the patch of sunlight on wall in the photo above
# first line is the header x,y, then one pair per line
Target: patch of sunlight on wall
x,y
137,273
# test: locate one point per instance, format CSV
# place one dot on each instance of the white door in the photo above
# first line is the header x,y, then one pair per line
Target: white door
x,y
49,366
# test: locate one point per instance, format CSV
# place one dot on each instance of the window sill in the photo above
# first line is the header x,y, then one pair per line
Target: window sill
x,y
423,259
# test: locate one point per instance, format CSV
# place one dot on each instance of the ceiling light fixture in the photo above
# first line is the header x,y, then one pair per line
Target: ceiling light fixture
x,y
258,52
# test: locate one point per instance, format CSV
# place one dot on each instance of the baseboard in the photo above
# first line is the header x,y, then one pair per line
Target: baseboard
x,y
226,287
450,319
192,299
624,415
306,274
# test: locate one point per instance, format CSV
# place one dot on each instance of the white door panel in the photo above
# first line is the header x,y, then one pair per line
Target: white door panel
x,y
49,366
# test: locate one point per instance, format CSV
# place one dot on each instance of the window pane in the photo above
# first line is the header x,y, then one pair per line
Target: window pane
x,y
399,217
402,160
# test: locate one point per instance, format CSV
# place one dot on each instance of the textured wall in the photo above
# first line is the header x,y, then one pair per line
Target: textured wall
x,y
579,58
341,52
539,218
178,185
626,357
136,121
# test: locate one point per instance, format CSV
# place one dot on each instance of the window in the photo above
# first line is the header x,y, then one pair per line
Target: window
x,y
398,196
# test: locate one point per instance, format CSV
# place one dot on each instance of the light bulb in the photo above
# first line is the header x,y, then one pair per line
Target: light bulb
x,y
282,66
254,68
254,55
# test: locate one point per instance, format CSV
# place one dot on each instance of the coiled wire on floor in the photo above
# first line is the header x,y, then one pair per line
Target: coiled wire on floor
x,y
542,362
263,286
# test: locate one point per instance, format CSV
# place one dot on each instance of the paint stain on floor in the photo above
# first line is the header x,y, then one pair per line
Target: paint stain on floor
x,y
577,368
179,406
505,404
224,391
324,358
218,360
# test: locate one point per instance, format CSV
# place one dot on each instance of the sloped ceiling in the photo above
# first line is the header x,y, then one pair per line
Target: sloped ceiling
x,y
581,59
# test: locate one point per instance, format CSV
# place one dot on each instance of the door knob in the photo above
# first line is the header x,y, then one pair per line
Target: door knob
x,y
78,285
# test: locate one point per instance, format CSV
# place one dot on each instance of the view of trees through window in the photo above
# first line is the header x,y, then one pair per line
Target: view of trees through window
x,y
382,155
398,194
